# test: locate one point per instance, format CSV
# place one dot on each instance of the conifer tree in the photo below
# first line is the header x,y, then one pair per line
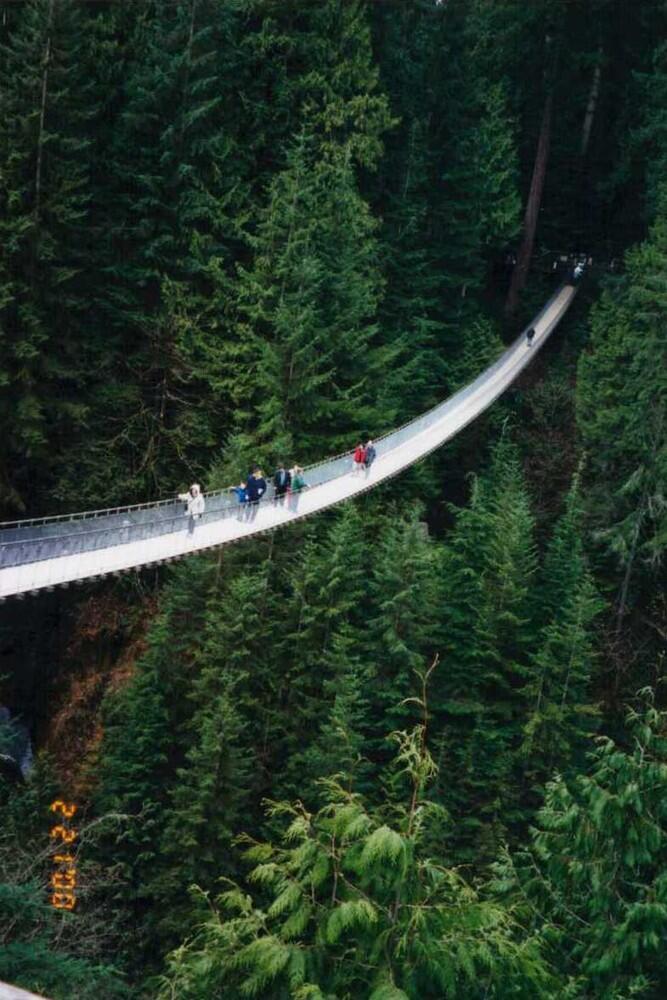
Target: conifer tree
x,y
173,208
316,63
340,747
143,743
482,205
478,698
401,635
563,713
412,304
450,196
650,134
308,308
356,908
621,412
41,948
308,302
560,688
325,677
594,875
47,106
213,786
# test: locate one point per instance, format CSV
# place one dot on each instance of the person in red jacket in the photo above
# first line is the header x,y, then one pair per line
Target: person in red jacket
x,y
358,459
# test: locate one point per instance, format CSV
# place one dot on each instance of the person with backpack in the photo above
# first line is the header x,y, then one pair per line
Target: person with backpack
x,y
358,459
369,455
281,483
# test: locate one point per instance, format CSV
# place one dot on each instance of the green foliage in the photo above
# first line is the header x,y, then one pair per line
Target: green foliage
x,y
212,787
622,394
52,952
650,135
355,908
141,743
253,230
594,876
47,101
401,633
449,198
173,214
308,340
488,632
562,716
316,62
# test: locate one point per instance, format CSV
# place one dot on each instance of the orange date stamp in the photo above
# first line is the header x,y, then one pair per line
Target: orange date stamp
x,y
64,875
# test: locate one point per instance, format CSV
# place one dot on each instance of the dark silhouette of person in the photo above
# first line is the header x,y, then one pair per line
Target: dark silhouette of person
x,y
281,483
255,489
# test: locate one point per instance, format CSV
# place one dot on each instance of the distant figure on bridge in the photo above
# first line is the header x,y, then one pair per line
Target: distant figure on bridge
x,y
255,488
241,493
579,269
369,454
298,483
358,459
530,333
281,483
195,505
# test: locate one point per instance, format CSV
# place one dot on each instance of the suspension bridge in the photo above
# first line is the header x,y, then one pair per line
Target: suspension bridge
x,y
42,553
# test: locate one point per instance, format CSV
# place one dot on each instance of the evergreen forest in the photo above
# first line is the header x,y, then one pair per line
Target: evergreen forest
x,y
415,747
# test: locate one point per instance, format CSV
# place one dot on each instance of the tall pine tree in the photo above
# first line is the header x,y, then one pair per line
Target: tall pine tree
x,y
48,106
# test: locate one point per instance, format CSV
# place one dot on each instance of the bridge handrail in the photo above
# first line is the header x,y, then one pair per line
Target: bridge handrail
x,y
158,526
211,494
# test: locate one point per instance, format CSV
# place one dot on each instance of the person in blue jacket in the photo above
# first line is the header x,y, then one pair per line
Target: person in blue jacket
x,y
241,493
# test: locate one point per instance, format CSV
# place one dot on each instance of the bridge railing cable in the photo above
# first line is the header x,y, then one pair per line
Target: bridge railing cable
x,y
23,542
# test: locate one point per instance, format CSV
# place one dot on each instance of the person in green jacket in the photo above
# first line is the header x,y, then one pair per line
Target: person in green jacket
x,y
297,484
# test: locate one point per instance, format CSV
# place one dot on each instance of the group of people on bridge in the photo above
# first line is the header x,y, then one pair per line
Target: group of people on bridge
x,y
287,485
363,458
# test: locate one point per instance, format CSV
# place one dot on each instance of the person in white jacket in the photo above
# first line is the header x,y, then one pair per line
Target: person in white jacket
x,y
195,505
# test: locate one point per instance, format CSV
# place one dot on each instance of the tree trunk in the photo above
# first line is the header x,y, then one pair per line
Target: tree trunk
x,y
520,272
42,115
623,598
593,97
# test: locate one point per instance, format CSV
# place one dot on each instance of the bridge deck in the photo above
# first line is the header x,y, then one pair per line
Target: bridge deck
x,y
100,548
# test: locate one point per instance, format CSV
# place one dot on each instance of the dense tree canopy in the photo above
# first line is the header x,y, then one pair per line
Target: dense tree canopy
x,y
385,753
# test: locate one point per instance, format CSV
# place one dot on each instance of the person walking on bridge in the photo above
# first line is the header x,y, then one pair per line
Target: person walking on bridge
x,y
530,333
298,483
281,483
241,493
369,455
255,488
195,505
358,459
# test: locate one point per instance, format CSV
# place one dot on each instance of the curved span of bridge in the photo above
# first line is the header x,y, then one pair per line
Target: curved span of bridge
x,y
44,553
